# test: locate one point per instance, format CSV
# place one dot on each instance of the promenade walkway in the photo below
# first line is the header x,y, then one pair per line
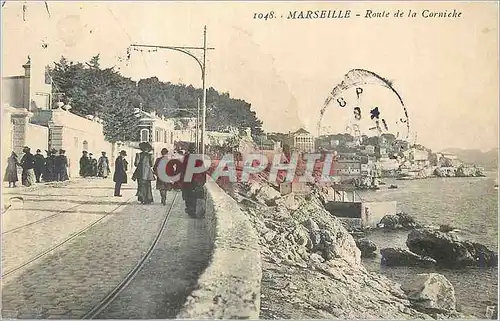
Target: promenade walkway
x,y
65,247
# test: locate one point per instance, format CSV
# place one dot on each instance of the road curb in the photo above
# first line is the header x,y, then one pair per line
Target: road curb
x,y
229,288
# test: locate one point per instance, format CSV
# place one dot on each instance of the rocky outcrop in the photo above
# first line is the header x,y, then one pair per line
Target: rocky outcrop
x,y
312,265
398,221
366,247
402,257
431,293
448,250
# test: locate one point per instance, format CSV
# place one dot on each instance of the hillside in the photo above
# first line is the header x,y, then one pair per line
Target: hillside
x,y
488,160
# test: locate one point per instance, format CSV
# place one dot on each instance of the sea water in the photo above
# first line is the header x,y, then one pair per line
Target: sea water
x,y
468,204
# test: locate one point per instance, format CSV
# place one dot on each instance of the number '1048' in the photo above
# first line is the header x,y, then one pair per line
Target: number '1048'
x,y
264,16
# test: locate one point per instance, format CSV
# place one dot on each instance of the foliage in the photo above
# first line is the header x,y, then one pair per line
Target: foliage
x,y
92,90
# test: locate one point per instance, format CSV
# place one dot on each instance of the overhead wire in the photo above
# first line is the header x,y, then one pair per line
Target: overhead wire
x,y
129,37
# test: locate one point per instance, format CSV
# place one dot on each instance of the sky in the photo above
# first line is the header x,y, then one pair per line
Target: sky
x,y
445,69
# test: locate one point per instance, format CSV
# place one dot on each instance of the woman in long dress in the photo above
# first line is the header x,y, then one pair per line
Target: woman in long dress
x,y
144,173
11,171
28,165
103,166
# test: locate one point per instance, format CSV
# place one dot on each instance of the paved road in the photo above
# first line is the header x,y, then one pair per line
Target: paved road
x,y
73,278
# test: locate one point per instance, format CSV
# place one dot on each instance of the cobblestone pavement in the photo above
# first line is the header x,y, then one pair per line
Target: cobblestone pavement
x,y
68,282
161,287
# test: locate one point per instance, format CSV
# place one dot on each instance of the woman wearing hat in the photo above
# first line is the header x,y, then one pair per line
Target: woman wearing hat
x,y
11,171
120,175
28,165
144,173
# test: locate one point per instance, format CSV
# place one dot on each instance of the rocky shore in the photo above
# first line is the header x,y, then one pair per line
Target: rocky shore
x,y
312,265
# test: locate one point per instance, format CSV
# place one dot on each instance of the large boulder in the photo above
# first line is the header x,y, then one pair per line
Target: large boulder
x,y
390,222
407,221
402,257
334,240
367,247
267,195
398,221
448,250
431,293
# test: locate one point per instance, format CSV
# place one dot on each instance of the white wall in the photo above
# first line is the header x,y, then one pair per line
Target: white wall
x,y
37,137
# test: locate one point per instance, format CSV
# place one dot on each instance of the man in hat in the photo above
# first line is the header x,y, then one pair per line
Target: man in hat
x,y
49,171
28,165
92,165
61,166
39,165
84,164
120,175
194,189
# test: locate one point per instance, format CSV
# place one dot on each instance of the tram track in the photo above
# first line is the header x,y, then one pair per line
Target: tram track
x,y
100,307
66,240
46,218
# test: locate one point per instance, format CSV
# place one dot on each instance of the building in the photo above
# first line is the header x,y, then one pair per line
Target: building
x,y
420,158
163,132
302,141
29,119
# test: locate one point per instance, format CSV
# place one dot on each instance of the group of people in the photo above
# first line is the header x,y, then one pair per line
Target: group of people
x,y
37,168
91,167
147,171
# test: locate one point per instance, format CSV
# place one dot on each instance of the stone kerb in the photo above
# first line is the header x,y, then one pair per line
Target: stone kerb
x,y
229,288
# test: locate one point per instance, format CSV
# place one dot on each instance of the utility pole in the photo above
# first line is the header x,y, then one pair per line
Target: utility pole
x,y
204,99
201,62
198,127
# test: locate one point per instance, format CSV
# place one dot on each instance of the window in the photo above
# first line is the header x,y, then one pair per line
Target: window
x,y
157,135
165,137
144,135
171,137
75,141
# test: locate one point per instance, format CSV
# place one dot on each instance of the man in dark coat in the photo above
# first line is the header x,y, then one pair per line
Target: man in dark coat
x,y
48,173
120,175
39,165
194,189
61,166
84,164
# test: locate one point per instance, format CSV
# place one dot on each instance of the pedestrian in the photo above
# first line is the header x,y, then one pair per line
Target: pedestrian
x,y
103,166
144,173
48,173
11,171
84,164
28,165
162,186
194,189
39,165
61,166
92,165
120,175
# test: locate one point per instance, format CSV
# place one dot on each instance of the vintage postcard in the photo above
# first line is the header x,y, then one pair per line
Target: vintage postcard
x,y
249,160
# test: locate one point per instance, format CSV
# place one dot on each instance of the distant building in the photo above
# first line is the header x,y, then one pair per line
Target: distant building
x,y
302,141
419,158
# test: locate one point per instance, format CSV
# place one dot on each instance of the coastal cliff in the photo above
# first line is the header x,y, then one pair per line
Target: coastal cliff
x,y
311,265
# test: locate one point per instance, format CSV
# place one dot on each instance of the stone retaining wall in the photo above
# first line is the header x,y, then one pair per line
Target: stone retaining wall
x,y
230,286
